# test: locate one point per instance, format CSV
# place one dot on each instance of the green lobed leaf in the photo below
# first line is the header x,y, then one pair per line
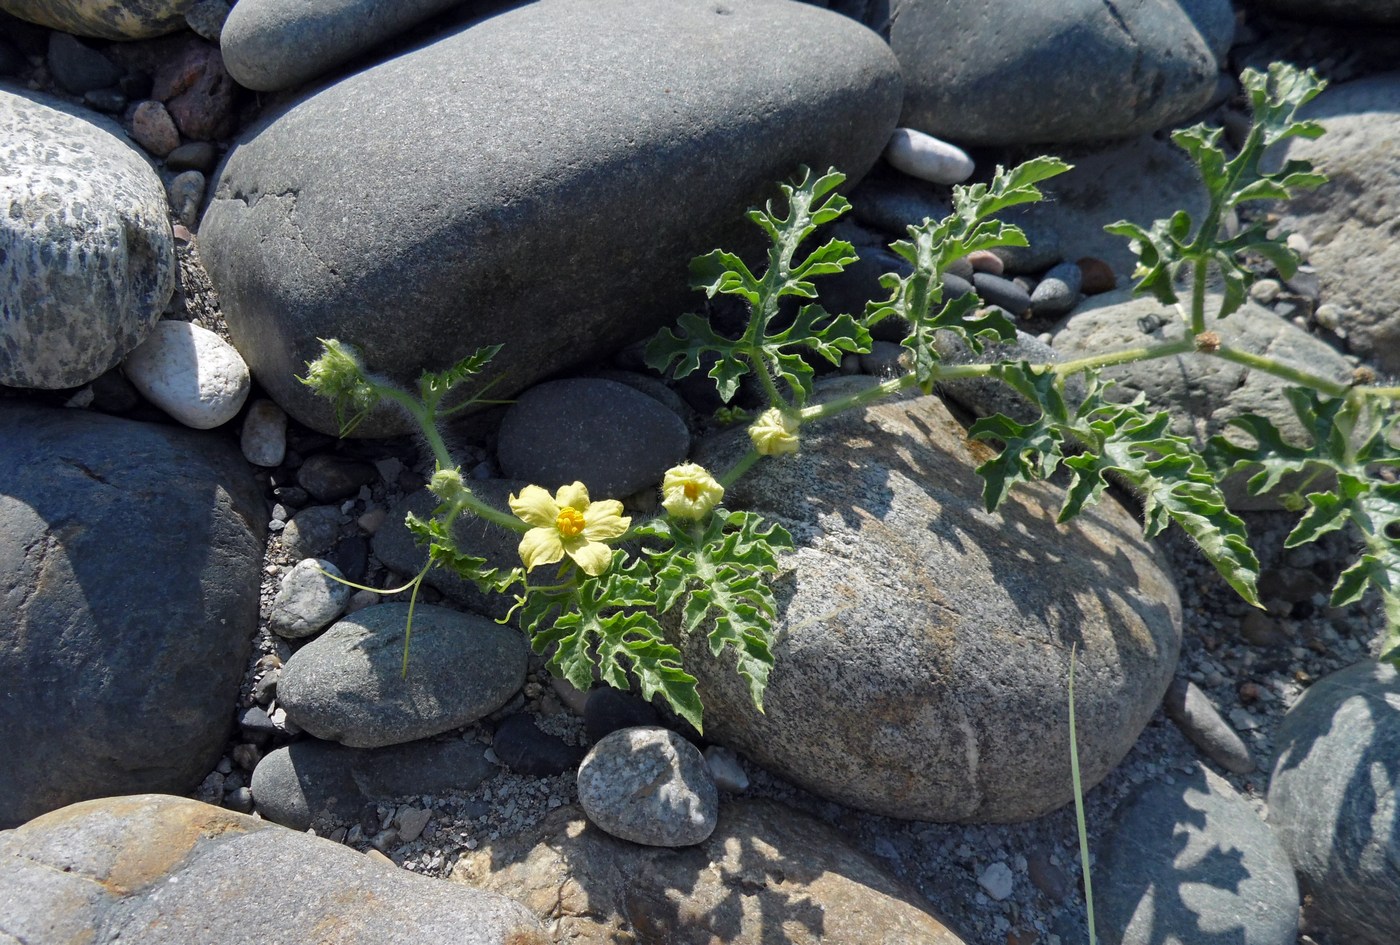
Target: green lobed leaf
x,y
1029,451
432,386
436,533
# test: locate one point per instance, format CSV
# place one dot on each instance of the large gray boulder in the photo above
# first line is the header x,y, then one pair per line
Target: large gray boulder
x,y
766,868
1334,800
1023,71
540,180
169,871
923,644
272,44
1350,221
130,563
1202,393
1187,860
87,260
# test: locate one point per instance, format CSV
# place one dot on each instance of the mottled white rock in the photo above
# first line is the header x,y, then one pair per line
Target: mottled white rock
x,y
190,373
725,769
997,880
264,437
649,785
309,599
927,158
87,260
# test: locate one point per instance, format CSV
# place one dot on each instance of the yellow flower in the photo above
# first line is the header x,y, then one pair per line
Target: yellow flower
x,y
568,524
689,491
775,432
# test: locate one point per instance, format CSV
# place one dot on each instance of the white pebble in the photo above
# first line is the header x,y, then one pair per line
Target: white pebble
x,y
996,880
725,769
264,437
927,158
190,373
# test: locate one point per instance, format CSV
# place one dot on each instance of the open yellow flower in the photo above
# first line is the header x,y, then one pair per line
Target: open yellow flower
x,y
775,432
568,524
689,491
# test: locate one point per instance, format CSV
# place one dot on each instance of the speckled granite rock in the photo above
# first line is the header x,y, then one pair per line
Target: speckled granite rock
x,y
103,19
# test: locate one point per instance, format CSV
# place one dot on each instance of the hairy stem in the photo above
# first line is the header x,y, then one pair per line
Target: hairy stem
x,y
1280,369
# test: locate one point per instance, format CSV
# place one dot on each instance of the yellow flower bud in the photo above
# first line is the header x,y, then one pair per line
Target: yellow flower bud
x,y
775,432
689,491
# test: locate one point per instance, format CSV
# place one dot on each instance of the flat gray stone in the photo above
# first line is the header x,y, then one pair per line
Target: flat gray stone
x,y
1200,392
295,784
272,44
923,644
1333,800
612,438
310,596
347,684
169,871
1188,861
765,868
1350,221
130,564
553,208
1021,71
87,259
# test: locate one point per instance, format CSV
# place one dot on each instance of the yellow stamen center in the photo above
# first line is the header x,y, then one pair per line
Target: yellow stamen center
x,y
692,491
570,522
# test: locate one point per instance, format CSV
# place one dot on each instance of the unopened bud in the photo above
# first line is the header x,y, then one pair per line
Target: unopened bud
x,y
1208,342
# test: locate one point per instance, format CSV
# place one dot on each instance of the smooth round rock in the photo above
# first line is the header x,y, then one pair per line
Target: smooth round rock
x,y
103,19
190,373
927,158
347,685
309,598
612,438
1024,71
79,68
1334,799
588,139
330,478
154,129
312,532
1057,290
87,259
130,562
650,786
1187,859
923,643
1200,721
995,290
264,436
270,45
165,870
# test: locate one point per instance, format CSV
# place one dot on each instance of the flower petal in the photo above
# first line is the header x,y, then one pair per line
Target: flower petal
x,y
540,546
535,507
593,557
574,496
604,521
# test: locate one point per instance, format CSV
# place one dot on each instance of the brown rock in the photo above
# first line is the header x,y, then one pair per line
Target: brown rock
x,y
153,129
197,90
767,874
1098,275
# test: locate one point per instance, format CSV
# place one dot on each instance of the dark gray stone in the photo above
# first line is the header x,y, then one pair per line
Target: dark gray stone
x,y
1057,291
395,546
1333,800
308,779
312,532
12,61
270,45
1200,721
77,67
923,644
330,478
613,439
170,871
1188,862
555,209
1021,71
130,563
994,290
87,260
348,686
525,749
193,156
